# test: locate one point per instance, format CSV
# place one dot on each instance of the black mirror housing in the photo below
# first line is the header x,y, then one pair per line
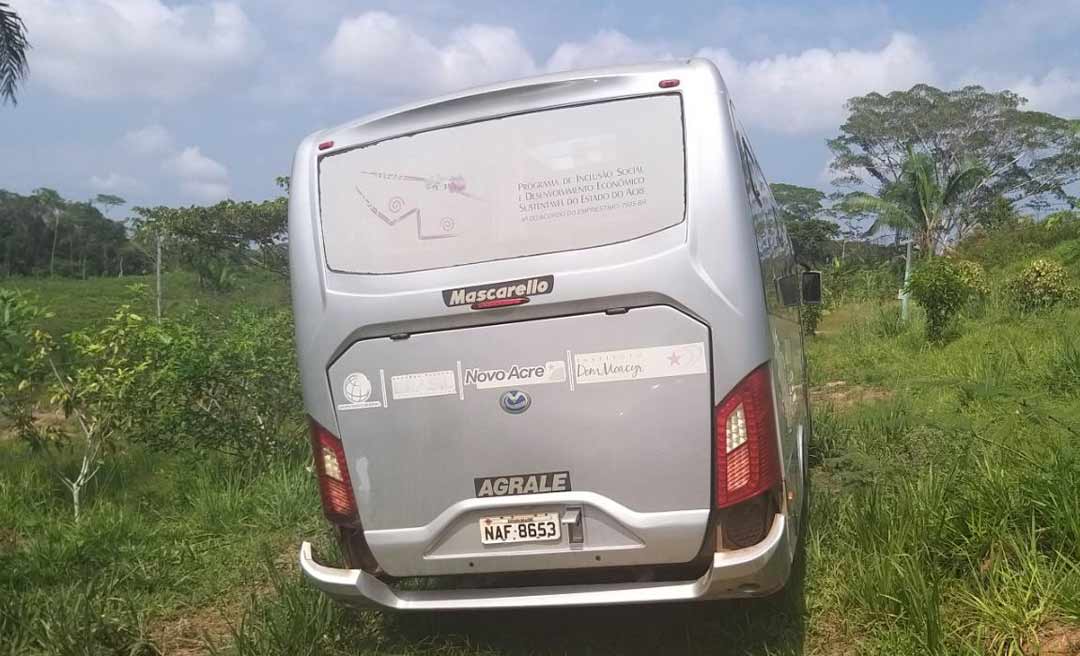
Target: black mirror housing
x,y
811,287
788,290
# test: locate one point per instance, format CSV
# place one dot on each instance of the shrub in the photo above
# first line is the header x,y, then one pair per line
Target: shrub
x,y
1040,284
809,317
974,276
224,383
941,290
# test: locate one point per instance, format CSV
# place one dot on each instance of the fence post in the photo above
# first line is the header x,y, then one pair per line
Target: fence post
x,y
907,278
157,272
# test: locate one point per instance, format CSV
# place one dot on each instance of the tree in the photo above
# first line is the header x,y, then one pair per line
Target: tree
x,y
51,203
919,202
243,232
1027,156
109,201
802,212
13,47
45,232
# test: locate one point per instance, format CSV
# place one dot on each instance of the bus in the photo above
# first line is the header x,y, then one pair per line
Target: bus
x,y
549,342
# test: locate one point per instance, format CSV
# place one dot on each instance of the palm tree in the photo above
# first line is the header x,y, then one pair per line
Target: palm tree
x,y
921,202
13,47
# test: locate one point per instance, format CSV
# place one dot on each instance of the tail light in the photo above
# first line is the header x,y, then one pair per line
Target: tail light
x,y
335,488
338,502
747,461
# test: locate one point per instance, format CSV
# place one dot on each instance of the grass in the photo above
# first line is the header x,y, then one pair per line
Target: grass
x,y
945,520
77,304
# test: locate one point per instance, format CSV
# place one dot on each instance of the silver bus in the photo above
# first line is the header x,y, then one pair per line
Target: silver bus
x,y
548,332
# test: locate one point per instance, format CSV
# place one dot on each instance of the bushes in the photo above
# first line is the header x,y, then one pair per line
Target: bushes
x,y
809,317
1041,284
941,289
224,383
973,275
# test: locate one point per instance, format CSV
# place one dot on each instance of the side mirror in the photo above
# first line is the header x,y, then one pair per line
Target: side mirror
x,y
787,287
811,287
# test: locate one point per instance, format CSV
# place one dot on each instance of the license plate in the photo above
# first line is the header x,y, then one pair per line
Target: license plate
x,y
526,527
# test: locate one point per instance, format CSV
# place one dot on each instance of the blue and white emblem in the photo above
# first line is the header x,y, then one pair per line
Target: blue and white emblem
x,y
515,401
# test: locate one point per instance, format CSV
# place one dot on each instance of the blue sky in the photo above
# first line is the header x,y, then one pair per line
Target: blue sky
x,y
177,102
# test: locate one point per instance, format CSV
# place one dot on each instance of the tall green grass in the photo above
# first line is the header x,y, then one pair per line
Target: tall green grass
x,y
945,520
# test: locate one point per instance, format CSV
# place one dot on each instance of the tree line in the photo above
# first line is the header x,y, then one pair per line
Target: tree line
x,y
45,234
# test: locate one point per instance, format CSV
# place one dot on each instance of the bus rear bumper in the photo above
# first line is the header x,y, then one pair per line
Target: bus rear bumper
x,y
751,572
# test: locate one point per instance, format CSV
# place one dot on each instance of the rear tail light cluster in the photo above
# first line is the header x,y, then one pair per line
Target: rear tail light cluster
x,y
747,461
338,502
335,487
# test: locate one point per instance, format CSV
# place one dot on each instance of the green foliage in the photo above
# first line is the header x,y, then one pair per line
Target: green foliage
x,y
22,362
960,128
1039,285
85,303
802,212
922,201
1021,241
849,281
45,234
243,232
221,382
809,318
940,288
13,49
215,274
996,214
974,276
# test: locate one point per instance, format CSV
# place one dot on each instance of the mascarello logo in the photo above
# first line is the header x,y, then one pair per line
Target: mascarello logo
x,y
499,291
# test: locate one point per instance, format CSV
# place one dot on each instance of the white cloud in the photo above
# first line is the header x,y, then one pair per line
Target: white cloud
x,y
114,183
150,140
800,93
206,192
136,48
1056,92
201,178
384,54
605,48
190,163
805,93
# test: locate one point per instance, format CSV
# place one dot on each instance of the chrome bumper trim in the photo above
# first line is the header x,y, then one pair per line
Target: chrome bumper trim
x,y
750,572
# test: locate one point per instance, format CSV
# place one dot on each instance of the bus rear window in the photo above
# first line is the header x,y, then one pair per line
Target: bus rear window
x,y
543,182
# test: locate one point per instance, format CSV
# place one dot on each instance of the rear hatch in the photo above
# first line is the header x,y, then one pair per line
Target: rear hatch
x,y
598,420
618,423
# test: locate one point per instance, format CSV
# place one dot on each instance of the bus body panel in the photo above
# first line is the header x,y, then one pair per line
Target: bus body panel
x,y
708,279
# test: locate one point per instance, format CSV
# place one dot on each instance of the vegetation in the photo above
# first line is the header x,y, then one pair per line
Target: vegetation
x,y
941,289
13,47
1026,156
44,233
1041,284
943,520
207,238
946,473
804,216
919,202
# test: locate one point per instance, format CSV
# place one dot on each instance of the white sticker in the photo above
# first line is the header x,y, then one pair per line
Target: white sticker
x,y
357,391
425,383
637,364
517,375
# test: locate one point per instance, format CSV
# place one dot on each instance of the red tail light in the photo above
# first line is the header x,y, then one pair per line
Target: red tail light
x,y
339,504
747,462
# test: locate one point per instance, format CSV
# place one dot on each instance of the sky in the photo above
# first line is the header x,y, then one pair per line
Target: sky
x,y
182,102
